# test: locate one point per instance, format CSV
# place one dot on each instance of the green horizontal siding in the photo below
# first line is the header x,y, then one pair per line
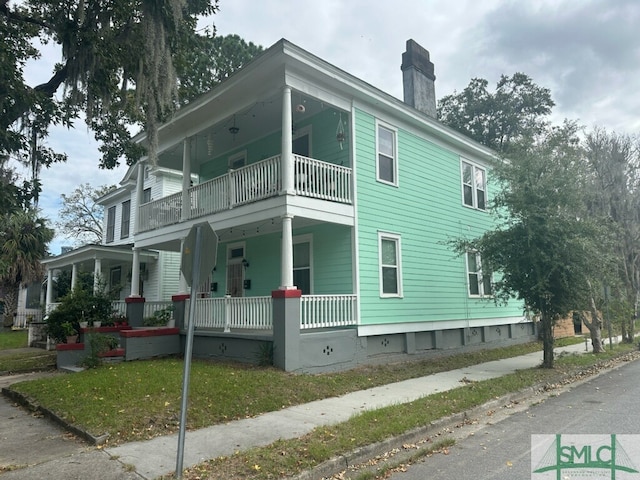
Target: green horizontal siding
x,y
332,261
426,211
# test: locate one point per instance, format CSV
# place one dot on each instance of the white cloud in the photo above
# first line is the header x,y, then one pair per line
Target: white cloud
x,y
587,52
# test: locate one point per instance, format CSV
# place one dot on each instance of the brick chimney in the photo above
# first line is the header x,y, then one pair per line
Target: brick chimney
x,y
418,79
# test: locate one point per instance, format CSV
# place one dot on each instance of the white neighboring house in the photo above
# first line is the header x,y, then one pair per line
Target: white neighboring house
x,y
112,260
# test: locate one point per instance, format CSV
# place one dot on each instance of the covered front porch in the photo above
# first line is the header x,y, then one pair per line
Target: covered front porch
x,y
110,266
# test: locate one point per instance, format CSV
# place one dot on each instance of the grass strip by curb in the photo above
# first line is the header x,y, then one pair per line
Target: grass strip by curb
x,y
344,442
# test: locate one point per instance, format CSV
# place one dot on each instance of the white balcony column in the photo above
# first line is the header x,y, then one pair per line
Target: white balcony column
x,y
182,282
74,276
286,268
135,273
186,178
139,195
97,274
49,300
287,143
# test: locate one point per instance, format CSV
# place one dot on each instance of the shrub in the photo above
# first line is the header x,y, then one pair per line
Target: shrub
x,y
79,305
159,317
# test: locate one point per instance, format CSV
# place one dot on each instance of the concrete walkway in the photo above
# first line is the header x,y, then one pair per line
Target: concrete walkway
x,y
156,457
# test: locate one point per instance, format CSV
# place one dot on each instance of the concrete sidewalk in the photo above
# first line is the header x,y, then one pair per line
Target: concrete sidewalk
x,y
156,457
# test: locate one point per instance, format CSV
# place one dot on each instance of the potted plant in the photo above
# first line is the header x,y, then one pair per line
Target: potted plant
x,y
70,332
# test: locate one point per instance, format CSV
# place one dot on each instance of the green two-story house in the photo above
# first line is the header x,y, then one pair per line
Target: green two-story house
x,y
334,204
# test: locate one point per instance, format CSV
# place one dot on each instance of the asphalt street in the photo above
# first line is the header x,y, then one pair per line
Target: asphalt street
x,y
501,450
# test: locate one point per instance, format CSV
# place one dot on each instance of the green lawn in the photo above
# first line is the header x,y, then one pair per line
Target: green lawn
x,y
13,339
140,400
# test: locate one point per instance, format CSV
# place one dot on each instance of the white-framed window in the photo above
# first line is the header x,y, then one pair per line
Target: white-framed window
x,y
125,221
146,195
238,160
478,281
390,263
111,223
386,154
474,185
302,263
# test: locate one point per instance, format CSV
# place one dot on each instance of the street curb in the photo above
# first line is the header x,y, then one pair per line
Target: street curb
x,y
34,407
440,428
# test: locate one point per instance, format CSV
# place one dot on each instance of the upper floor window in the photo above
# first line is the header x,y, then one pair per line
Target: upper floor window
x,y
146,195
390,266
479,281
386,147
126,219
111,223
238,160
474,186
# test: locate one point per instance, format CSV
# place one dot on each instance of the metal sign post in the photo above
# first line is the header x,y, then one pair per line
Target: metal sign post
x,y
199,234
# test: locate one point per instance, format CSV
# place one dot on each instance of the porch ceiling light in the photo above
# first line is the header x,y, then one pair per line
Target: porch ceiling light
x,y
233,130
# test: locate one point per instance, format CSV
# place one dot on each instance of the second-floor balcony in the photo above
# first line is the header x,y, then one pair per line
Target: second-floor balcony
x,y
252,183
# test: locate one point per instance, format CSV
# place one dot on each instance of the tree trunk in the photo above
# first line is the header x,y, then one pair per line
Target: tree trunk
x,y
10,306
547,340
594,326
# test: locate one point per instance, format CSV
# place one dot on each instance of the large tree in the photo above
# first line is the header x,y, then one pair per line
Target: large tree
x,y
23,243
80,216
544,250
116,64
515,113
614,193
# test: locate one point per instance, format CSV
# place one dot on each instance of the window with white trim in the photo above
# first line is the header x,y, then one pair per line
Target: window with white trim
x,y
125,221
302,256
387,155
478,281
111,223
474,186
390,265
238,160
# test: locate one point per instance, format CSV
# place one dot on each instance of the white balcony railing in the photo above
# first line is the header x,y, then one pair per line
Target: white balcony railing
x,y
314,178
252,183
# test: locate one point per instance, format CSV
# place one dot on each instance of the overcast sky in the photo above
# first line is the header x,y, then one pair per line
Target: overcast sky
x,y
586,52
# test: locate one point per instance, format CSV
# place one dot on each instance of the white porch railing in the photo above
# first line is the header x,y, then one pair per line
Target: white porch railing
x,y
24,316
119,307
246,313
255,313
323,311
151,307
313,178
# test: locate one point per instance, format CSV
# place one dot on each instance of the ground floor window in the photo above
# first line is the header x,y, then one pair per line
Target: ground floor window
x,y
302,264
390,265
479,281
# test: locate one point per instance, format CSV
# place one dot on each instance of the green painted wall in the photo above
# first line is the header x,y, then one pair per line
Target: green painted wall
x,y
332,261
324,145
426,210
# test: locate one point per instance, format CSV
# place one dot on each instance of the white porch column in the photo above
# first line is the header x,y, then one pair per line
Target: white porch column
x,y
139,194
74,276
286,272
186,178
182,282
135,273
287,143
97,274
49,300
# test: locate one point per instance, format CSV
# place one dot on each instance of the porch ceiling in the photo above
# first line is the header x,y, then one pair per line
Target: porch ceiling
x,y
88,254
259,119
